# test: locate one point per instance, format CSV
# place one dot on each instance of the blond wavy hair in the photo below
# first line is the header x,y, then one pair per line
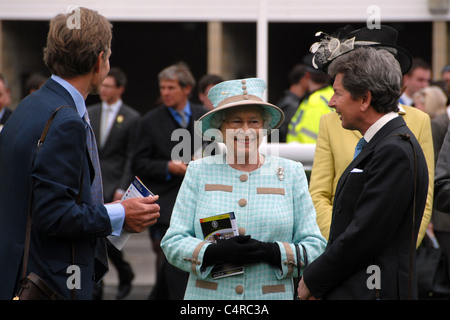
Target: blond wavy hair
x,y
73,51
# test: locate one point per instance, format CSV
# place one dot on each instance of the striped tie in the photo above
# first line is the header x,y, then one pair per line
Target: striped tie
x,y
101,254
183,122
96,187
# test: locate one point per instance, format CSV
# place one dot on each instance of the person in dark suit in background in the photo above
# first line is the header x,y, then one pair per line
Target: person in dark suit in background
x,y
205,83
69,218
5,100
114,124
34,82
440,219
162,173
380,197
298,88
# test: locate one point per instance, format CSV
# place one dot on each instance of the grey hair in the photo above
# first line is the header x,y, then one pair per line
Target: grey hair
x,y
179,72
368,69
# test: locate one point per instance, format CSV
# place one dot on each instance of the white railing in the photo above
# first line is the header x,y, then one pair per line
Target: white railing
x,y
301,152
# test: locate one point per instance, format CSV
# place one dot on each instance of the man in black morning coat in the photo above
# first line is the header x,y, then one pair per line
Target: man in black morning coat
x,y
381,196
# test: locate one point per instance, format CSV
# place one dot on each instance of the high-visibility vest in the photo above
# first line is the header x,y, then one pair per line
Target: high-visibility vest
x,y
304,125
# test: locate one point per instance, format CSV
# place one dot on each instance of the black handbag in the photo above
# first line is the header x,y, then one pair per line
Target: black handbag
x,y
33,287
433,276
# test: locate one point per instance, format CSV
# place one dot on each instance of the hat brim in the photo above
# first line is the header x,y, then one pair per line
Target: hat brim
x,y
402,56
203,123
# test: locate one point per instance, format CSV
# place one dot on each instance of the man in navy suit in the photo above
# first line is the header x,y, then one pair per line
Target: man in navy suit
x,y
380,197
69,219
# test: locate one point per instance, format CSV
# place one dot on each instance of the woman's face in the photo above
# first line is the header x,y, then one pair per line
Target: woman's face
x,y
242,130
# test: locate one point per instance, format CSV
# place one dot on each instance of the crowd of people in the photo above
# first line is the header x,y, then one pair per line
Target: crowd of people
x,y
372,198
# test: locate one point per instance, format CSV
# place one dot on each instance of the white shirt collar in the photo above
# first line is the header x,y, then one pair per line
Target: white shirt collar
x,y
406,100
379,124
115,106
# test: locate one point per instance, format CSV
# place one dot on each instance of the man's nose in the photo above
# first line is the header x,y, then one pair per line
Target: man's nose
x,y
332,103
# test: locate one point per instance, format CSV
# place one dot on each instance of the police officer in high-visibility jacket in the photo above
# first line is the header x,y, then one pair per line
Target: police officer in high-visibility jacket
x,y
304,125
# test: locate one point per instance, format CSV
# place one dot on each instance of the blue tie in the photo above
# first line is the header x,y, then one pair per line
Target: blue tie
x,y
359,146
101,254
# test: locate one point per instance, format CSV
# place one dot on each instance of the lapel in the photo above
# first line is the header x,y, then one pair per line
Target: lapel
x,y
6,115
383,133
95,114
168,123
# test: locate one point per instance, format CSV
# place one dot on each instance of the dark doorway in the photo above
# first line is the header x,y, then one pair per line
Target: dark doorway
x,y
289,42
143,49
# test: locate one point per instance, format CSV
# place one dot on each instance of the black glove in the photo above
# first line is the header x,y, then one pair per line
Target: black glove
x,y
242,250
237,250
268,252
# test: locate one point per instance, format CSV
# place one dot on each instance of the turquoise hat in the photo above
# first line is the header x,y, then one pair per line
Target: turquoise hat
x,y
235,93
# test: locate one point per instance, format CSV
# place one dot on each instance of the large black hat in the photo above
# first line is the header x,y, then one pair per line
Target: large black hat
x,y
347,39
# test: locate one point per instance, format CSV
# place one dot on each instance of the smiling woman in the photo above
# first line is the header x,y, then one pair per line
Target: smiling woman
x,y
268,196
243,134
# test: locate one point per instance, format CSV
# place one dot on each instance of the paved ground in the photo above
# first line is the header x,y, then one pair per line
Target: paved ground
x,y
138,252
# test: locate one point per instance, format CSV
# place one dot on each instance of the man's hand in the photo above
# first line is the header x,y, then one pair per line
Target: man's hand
x,y
303,291
140,213
177,167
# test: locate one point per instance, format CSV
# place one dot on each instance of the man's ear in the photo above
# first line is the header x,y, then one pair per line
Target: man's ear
x,y
366,101
188,89
99,60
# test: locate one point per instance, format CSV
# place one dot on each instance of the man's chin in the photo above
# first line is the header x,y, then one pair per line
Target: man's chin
x,y
95,91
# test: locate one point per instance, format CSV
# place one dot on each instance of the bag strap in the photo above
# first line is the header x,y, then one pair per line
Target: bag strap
x,y
407,137
26,251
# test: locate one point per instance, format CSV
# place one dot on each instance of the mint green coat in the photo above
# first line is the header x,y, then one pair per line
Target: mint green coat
x,y
268,206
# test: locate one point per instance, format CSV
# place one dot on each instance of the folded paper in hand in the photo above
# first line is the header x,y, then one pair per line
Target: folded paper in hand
x,y
136,190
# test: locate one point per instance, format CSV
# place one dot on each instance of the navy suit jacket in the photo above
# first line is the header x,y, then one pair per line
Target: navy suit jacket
x,y
372,221
61,171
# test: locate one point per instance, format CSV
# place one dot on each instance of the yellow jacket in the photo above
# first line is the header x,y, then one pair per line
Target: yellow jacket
x,y
334,152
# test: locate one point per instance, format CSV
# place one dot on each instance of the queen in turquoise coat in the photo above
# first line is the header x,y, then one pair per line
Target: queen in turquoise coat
x,y
268,195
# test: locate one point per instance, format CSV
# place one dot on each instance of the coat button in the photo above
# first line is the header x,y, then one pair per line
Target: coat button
x,y
242,202
239,289
243,177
